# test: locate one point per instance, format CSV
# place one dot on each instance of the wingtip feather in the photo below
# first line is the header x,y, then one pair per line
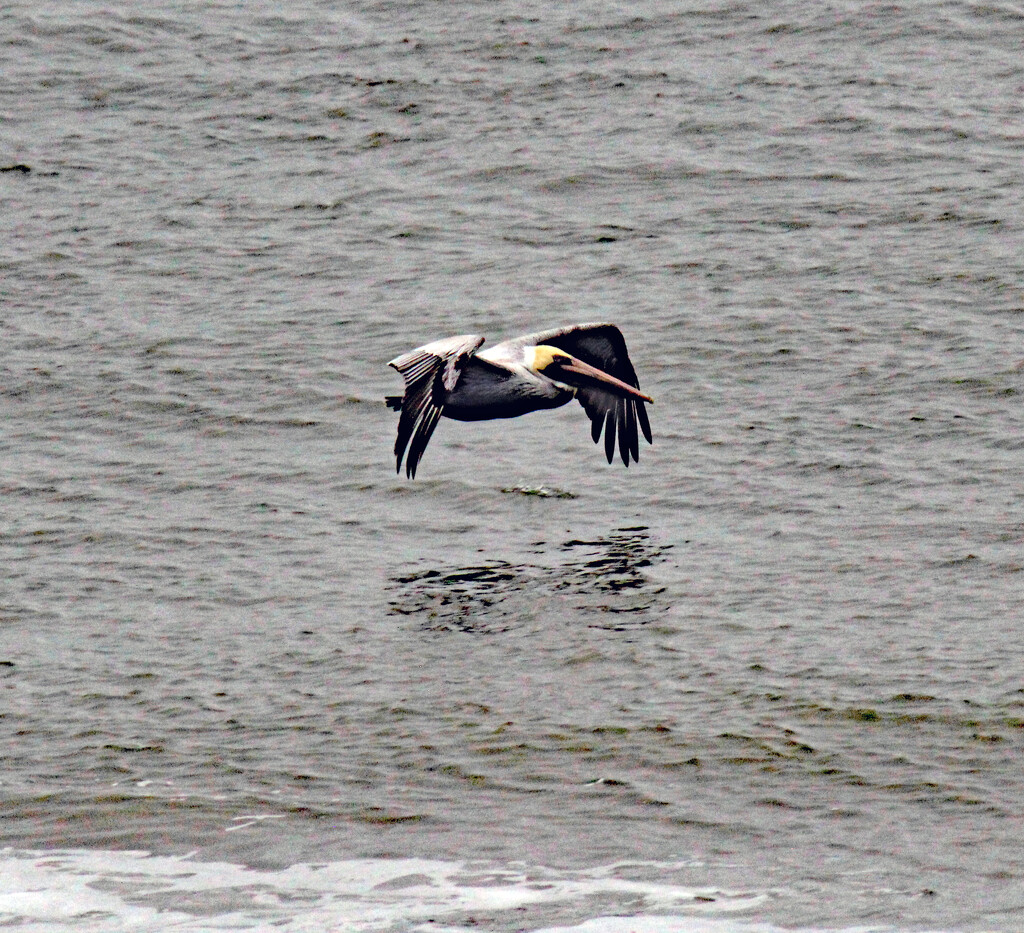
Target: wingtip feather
x,y
609,433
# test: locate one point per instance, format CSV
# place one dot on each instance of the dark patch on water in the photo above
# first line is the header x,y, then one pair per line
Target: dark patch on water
x,y
600,582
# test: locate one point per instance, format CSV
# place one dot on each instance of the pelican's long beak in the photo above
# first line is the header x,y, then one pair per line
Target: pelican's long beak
x,y
592,372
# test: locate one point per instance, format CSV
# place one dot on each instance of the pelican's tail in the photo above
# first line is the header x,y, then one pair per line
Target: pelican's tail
x,y
394,402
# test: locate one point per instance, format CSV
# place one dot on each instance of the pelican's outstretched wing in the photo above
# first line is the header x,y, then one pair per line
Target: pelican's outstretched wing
x,y
603,346
429,372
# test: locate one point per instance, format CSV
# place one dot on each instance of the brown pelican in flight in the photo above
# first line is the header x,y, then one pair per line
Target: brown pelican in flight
x,y
588,362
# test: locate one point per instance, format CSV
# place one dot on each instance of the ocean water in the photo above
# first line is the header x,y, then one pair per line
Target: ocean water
x,y
770,677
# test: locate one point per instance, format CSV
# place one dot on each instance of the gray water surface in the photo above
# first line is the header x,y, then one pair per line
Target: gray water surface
x,y
782,654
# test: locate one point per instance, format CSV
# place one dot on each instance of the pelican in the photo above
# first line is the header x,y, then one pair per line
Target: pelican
x,y
588,362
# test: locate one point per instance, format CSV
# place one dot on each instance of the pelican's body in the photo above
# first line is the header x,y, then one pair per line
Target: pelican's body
x,y
588,362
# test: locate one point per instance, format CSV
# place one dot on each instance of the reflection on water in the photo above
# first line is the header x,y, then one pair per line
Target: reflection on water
x,y
601,582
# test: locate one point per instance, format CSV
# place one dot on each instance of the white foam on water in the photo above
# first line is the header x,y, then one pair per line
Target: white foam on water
x,y
665,924
134,892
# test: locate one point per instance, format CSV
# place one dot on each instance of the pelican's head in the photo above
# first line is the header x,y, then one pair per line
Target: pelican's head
x,y
565,368
541,357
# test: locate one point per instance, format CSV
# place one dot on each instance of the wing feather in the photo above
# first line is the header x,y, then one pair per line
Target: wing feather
x,y
609,432
634,441
627,432
645,425
430,372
